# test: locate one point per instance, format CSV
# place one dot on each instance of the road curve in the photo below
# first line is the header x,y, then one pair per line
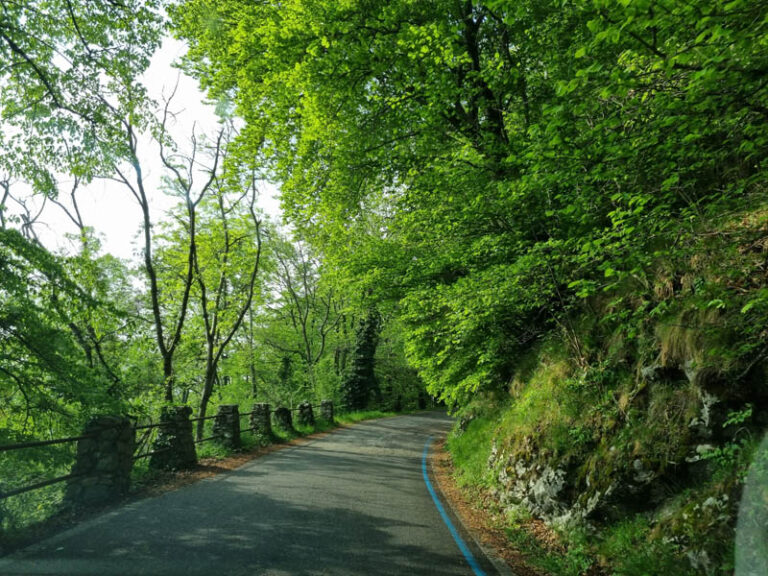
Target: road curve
x,y
351,502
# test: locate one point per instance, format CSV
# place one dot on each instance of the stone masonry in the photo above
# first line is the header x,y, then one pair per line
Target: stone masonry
x,y
103,462
326,410
306,417
175,445
284,419
226,426
261,423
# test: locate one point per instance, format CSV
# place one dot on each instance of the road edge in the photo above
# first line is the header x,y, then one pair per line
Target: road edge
x,y
493,557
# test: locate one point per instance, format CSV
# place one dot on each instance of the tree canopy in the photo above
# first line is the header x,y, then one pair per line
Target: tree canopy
x,y
493,165
553,209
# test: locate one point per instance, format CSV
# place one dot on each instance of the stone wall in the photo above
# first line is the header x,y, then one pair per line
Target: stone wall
x,y
105,456
226,426
306,416
103,462
175,447
326,410
284,419
261,423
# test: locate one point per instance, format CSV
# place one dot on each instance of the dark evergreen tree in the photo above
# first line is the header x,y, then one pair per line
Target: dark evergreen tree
x,y
360,383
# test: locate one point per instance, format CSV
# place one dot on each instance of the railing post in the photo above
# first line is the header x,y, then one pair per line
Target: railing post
x,y
226,425
175,445
261,423
103,462
284,419
306,417
326,410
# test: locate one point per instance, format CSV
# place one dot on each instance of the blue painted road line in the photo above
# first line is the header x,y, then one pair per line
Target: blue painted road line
x,y
455,533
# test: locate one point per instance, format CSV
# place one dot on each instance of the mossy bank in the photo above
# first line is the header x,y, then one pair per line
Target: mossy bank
x,y
631,438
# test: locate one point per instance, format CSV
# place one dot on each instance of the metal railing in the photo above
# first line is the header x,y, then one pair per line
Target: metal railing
x,y
144,443
40,483
142,450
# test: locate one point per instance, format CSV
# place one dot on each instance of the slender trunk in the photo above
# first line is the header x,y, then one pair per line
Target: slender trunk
x,y
252,364
168,376
210,377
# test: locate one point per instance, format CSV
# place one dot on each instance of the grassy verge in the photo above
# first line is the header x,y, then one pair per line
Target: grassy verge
x,y
352,417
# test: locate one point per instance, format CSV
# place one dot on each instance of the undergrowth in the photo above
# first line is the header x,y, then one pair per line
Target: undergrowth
x,y
603,425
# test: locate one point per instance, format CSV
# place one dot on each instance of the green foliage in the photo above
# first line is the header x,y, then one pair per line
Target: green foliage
x,y
44,368
72,69
577,186
573,561
470,450
360,386
401,385
494,166
633,553
555,208
361,415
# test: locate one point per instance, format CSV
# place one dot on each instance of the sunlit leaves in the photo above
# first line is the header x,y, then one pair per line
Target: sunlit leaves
x,y
497,167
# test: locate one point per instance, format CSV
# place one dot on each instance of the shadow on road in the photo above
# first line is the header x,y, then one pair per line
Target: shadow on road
x,y
350,503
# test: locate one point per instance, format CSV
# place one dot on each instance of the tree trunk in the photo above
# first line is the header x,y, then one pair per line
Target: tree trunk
x,y
168,377
210,377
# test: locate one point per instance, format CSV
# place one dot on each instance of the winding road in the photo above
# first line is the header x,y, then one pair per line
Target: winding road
x,y
356,501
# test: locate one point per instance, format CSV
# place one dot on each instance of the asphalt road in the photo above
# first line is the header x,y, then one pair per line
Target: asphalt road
x,y
352,502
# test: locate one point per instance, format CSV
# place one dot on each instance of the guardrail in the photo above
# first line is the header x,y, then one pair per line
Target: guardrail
x,y
115,444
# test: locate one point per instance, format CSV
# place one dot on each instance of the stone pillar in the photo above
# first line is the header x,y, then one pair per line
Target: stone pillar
x,y
174,445
261,423
226,425
284,419
326,410
306,417
103,463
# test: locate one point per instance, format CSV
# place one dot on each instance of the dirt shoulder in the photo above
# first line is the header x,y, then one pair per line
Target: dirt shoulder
x,y
479,514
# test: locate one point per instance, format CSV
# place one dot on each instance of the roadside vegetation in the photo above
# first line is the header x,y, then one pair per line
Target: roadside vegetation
x,y
550,215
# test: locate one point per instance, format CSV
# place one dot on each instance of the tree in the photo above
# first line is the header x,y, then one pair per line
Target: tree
x,y
226,268
523,157
68,65
45,375
304,312
360,384
183,170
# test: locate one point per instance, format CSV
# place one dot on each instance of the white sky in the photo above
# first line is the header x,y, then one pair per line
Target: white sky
x,y
108,206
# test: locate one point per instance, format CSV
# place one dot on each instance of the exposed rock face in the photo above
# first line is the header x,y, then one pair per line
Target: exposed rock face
x,y
537,487
103,462
639,461
175,446
261,423
703,424
326,410
306,416
283,418
226,425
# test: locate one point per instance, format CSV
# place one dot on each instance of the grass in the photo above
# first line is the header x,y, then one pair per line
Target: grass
x,y
570,561
633,553
352,417
470,451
